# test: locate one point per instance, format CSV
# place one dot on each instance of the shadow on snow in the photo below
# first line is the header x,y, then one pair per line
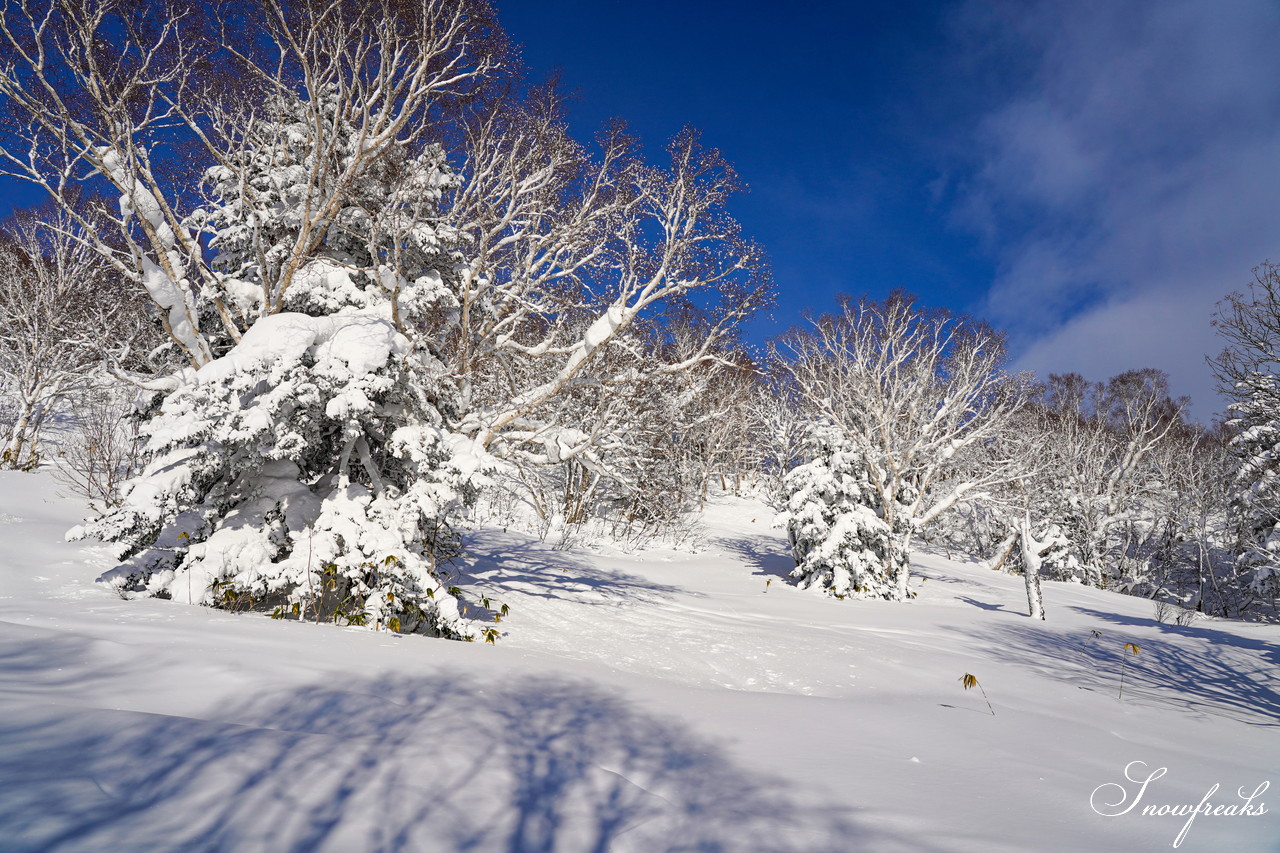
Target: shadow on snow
x,y
766,555
443,763
1203,670
507,562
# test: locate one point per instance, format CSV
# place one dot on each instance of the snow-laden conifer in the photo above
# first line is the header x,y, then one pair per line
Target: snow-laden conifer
x,y
1255,478
839,537
310,467
269,484
1247,370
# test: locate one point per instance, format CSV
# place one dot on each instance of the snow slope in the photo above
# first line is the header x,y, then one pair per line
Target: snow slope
x,y
652,702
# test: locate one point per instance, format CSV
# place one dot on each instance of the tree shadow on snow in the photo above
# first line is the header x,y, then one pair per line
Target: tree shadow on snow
x,y
1203,670
46,663
766,555
983,605
509,562
533,765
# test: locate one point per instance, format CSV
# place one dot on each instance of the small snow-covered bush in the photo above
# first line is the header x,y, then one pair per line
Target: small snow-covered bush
x,y
839,539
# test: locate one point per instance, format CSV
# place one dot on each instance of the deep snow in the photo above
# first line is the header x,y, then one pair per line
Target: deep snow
x,y
661,701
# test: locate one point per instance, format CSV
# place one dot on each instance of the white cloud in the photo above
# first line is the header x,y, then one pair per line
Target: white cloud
x,y
1145,330
1131,180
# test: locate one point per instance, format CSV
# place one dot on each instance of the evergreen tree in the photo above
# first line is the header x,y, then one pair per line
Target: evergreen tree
x,y
1247,372
1255,478
839,537
312,466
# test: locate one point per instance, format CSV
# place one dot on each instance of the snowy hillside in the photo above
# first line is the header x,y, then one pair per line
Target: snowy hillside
x,y
661,701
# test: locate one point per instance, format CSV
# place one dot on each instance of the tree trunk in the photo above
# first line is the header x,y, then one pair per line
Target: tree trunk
x,y
576,492
11,455
900,561
1032,553
1005,549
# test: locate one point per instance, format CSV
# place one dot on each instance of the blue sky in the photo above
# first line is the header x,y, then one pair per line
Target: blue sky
x,y
1091,176
827,110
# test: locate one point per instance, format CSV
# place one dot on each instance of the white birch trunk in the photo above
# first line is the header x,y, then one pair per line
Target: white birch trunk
x,y
1032,557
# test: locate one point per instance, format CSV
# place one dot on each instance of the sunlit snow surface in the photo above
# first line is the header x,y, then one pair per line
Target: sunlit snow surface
x,y
658,701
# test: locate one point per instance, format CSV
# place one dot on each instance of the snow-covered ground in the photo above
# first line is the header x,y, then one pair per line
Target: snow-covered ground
x,y
653,702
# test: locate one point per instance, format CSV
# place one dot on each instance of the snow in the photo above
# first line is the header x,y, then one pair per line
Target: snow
x,y
604,327
172,297
665,700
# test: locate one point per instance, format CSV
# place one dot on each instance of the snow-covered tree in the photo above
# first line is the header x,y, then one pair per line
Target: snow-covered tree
x,y
1254,477
1247,370
840,538
580,260
911,390
1042,551
319,451
60,306
267,486
1095,478
306,458
361,320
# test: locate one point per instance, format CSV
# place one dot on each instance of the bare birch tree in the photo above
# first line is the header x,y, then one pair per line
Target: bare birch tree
x,y
568,250
1099,441
127,94
61,308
